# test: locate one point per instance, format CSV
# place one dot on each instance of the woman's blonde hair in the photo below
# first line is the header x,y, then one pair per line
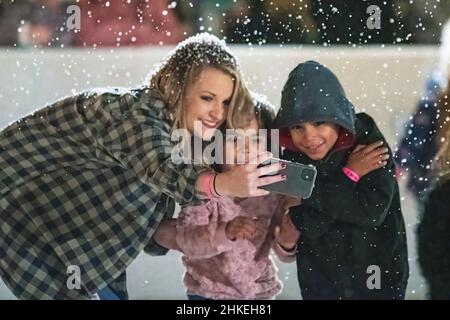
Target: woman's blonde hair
x,y
183,67
441,162
443,116
441,166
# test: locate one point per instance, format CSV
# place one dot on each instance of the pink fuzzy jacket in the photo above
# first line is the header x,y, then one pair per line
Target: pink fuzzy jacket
x,y
218,268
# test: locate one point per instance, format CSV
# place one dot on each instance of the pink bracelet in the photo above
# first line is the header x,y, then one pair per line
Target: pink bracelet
x,y
352,175
207,185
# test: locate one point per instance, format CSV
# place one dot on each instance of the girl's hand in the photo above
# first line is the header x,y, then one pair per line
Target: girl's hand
x,y
243,228
287,233
244,180
365,159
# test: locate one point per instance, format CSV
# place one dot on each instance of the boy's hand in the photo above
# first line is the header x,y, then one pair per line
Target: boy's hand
x,y
243,228
365,159
288,202
287,233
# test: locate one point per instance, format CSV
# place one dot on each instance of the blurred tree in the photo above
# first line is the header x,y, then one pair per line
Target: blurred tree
x,y
11,15
424,19
273,21
345,22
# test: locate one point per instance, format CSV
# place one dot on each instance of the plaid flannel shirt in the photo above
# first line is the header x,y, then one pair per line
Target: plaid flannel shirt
x,y
85,182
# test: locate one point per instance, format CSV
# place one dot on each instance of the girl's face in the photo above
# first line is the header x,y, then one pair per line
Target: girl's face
x,y
239,151
206,102
315,139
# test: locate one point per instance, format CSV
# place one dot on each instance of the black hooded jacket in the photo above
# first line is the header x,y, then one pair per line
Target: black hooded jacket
x,y
353,240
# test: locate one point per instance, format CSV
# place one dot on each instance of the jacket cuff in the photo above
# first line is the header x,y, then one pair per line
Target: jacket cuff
x,y
199,198
284,255
154,249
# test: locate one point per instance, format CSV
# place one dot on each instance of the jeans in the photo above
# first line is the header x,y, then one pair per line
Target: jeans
x,y
107,293
195,297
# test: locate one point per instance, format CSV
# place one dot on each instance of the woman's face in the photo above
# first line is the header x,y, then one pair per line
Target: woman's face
x,y
206,102
315,139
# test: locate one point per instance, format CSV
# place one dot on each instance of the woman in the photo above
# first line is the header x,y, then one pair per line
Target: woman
x,y
85,182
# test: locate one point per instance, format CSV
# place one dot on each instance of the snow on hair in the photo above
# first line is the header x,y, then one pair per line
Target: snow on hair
x,y
184,64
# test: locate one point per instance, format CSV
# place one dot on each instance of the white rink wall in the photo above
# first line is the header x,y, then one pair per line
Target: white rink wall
x,y
385,82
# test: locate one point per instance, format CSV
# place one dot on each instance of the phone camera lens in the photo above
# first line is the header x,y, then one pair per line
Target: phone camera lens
x,y
307,175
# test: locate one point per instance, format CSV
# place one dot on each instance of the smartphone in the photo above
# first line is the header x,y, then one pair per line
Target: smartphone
x,y
300,179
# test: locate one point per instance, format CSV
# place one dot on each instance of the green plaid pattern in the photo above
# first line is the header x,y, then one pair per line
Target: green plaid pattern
x,y
85,182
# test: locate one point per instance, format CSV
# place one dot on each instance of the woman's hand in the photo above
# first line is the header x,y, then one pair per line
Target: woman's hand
x,y
287,234
243,228
365,159
244,180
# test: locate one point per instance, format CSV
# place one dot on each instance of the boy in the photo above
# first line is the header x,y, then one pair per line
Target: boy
x,y
353,243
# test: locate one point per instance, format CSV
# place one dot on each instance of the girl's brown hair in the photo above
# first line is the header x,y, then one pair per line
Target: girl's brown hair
x,y
264,111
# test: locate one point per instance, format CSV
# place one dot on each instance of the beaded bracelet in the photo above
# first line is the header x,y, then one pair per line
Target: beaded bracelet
x,y
207,185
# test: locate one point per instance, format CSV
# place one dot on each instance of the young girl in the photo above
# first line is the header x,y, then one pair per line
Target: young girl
x,y
226,241
353,243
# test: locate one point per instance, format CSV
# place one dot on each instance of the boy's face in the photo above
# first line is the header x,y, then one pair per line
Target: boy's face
x,y
315,139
